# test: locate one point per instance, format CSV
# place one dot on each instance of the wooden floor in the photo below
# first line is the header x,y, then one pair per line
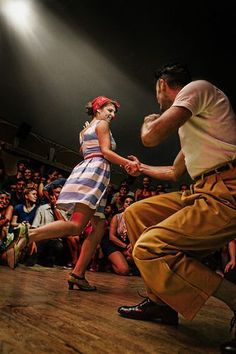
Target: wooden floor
x,y
40,315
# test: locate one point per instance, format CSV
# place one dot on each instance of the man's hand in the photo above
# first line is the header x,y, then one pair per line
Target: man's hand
x,y
53,201
151,117
134,158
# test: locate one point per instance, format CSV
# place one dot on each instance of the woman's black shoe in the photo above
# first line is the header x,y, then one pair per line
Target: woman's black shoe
x,y
150,311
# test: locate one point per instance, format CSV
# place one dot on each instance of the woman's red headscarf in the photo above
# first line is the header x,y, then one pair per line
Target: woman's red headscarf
x,y
99,101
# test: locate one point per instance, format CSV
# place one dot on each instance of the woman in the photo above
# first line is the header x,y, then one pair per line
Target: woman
x,y
115,243
6,211
84,191
147,190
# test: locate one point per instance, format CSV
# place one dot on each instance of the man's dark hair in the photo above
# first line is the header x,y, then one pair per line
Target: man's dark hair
x,y
52,187
175,74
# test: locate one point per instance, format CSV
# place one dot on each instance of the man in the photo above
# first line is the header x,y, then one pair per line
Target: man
x,y
171,232
17,197
50,252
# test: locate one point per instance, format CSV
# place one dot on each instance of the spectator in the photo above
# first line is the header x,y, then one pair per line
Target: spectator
x,y
146,191
116,245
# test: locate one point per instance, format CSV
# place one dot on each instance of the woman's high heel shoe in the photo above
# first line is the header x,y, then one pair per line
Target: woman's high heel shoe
x,y
82,283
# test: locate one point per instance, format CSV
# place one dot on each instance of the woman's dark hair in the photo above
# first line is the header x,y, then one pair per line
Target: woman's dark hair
x,y
175,74
89,109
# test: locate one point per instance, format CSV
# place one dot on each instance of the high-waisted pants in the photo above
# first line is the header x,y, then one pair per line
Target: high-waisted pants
x,y
170,234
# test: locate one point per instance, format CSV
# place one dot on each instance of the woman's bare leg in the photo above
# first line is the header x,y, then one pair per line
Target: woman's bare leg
x,y
89,245
119,263
81,216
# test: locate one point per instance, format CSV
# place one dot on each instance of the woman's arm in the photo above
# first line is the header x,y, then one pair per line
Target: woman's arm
x,y
103,133
232,255
8,216
14,222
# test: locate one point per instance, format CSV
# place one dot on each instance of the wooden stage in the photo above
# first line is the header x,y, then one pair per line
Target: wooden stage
x,y
40,315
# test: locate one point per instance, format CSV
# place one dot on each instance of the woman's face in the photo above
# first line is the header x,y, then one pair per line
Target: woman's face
x,y
146,182
107,112
128,201
4,201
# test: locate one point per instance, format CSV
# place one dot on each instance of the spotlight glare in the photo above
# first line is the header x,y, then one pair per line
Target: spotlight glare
x,y
17,12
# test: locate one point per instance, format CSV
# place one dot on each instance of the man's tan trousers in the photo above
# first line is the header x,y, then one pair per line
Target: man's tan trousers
x,y
171,232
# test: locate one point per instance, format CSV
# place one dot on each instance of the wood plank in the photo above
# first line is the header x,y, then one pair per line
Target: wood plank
x,y
40,315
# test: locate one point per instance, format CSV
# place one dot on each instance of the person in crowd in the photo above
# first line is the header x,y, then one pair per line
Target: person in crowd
x,y
226,258
119,197
109,213
110,192
36,177
146,191
26,211
10,246
160,189
52,251
170,232
28,177
22,219
12,179
46,180
116,245
183,187
36,180
3,175
6,211
17,196
52,175
85,189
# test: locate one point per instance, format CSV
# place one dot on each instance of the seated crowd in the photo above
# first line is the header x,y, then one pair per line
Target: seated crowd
x,y
30,197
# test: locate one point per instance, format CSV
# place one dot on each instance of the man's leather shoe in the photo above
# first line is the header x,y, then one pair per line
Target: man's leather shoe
x,y
150,311
228,347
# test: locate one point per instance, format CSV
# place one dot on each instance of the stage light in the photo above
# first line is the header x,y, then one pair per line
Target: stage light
x,y
17,12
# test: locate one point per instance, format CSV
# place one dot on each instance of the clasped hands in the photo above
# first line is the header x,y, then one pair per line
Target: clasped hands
x,y
133,166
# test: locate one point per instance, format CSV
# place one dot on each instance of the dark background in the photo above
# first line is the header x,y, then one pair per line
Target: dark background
x,y
70,51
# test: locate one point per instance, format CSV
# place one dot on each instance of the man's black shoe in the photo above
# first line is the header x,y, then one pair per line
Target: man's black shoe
x,y
150,311
230,347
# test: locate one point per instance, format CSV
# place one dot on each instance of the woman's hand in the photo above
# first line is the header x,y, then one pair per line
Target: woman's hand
x,y
132,167
128,251
229,265
86,124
